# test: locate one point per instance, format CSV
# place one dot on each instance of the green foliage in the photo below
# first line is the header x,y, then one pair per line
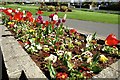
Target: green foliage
x,y
51,70
111,50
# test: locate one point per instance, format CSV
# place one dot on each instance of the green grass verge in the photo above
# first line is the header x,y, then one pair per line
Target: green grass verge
x,y
76,14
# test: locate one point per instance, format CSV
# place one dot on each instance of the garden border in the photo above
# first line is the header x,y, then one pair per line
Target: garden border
x,y
17,60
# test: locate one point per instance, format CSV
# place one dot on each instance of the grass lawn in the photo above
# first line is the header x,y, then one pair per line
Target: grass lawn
x,y
76,14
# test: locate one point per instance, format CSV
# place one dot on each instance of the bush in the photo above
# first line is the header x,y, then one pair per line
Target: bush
x,y
51,8
64,8
43,8
57,8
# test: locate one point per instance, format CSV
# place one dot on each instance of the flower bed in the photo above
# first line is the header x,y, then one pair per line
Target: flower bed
x,y
60,52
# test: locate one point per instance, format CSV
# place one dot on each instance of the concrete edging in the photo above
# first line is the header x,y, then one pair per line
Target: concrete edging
x,y
16,59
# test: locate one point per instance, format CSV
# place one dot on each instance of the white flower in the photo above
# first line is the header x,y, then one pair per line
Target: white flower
x,y
45,45
68,55
52,58
33,49
23,11
87,44
60,52
2,8
87,53
55,17
82,49
16,11
65,16
89,59
26,46
39,46
0,15
19,9
24,15
9,11
15,25
89,38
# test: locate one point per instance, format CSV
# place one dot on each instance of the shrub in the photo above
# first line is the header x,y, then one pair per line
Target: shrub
x,y
57,8
51,8
64,8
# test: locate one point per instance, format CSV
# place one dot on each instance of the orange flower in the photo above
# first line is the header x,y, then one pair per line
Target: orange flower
x,y
61,76
72,31
111,40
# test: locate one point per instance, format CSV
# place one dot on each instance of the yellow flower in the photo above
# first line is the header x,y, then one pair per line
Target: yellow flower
x,y
103,58
10,22
31,30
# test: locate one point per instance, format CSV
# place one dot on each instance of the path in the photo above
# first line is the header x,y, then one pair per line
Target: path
x,y
102,29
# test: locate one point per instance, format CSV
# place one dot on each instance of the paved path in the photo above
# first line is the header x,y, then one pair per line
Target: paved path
x,y
102,29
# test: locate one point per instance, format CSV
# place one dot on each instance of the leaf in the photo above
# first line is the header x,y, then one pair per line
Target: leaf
x,y
96,69
51,70
94,36
70,65
96,57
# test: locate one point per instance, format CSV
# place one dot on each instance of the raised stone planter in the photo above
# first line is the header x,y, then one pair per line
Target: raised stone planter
x,y
17,61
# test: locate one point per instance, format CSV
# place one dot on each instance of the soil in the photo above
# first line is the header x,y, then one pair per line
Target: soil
x,y
59,65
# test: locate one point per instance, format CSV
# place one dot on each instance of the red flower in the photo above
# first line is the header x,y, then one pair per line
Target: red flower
x,y
54,21
37,20
28,14
18,16
47,23
51,16
28,43
39,12
72,31
63,20
10,17
111,40
52,26
7,12
57,43
61,76
43,27
31,19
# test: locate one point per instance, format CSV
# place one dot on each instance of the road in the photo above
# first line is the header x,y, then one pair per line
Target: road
x,y
102,29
